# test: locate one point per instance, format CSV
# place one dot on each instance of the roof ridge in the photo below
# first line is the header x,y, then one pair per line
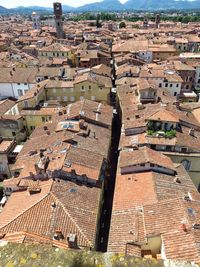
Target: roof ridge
x,y
24,211
30,234
77,226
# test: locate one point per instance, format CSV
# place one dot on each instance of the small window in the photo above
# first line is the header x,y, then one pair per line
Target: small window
x,y
152,165
20,92
90,87
142,164
13,133
175,93
170,84
166,85
177,85
160,84
83,88
26,104
43,119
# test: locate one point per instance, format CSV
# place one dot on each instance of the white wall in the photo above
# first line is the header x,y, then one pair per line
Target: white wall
x,y
22,87
146,55
11,89
172,89
6,89
147,167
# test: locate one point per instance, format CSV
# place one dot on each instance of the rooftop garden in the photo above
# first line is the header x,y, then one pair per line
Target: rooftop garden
x,y
160,130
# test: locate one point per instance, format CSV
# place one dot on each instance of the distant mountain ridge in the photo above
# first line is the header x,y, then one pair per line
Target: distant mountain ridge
x,y
3,10
106,5
111,5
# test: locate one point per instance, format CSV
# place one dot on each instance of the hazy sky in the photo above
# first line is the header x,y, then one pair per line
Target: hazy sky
x,y
75,3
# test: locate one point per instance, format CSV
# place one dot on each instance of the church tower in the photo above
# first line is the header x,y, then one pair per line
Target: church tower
x,y
157,20
58,19
36,21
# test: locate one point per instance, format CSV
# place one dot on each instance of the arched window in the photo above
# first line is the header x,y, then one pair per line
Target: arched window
x,y
186,164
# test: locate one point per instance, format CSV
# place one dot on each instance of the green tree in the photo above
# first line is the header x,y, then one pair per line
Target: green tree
x,y
122,24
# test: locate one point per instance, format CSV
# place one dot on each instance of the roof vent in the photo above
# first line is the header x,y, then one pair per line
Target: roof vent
x,y
82,113
177,180
72,240
31,153
53,204
73,190
196,226
58,235
188,197
191,132
68,164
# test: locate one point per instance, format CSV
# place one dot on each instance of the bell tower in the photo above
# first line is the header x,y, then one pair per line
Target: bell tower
x,y
58,19
36,20
157,20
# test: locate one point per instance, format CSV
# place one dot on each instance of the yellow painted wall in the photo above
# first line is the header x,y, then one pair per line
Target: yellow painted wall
x,y
163,55
70,54
35,121
154,244
7,132
33,101
101,93
194,171
77,93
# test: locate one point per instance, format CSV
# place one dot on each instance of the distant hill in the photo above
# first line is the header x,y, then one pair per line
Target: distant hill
x,y
106,5
3,10
161,4
67,8
30,9
112,5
